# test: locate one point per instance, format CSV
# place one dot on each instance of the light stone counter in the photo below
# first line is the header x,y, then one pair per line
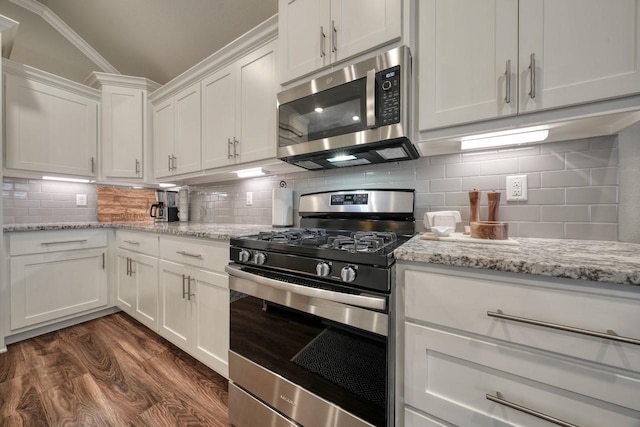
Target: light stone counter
x,y
600,261
206,231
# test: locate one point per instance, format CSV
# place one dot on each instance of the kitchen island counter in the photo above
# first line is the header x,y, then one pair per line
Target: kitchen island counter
x,y
206,231
599,261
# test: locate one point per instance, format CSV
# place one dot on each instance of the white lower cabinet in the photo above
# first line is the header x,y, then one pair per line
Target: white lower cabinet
x,y
137,286
56,275
194,305
465,367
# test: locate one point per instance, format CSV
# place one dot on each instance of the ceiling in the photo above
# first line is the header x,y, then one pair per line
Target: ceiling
x,y
160,39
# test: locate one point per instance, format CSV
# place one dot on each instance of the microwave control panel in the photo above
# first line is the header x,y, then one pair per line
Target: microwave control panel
x,y
388,96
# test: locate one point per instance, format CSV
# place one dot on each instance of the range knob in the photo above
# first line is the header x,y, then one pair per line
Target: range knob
x,y
259,258
348,274
323,269
244,255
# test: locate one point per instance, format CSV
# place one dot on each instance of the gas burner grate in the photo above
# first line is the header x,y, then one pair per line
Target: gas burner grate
x,y
361,241
295,236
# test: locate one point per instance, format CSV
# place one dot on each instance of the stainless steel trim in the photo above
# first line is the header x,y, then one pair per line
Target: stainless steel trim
x,y
189,294
229,148
137,167
103,261
334,37
380,201
183,291
365,301
93,165
371,98
290,399
532,67
360,318
507,82
236,143
498,399
132,242
609,334
128,266
189,255
323,39
251,412
61,242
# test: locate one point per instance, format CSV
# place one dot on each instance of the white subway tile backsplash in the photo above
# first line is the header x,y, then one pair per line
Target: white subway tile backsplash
x,y
573,178
604,213
429,199
430,172
604,176
547,162
446,185
488,183
462,169
519,213
502,166
565,213
591,159
545,230
591,231
547,196
592,195
445,159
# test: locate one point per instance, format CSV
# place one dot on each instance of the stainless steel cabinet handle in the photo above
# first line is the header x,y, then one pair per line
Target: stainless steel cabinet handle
x,y
334,37
188,254
132,242
532,67
61,242
498,399
169,159
103,260
128,266
229,144
507,82
174,161
137,167
371,98
189,294
183,287
236,143
323,39
609,334
93,165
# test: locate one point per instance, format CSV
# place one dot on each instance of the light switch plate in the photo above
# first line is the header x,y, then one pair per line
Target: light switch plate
x,y
249,198
81,200
517,188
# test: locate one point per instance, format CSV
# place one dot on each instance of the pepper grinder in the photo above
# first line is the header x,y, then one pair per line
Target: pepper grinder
x,y
494,203
474,208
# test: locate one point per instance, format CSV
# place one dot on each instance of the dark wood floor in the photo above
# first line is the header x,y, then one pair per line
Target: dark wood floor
x,y
107,372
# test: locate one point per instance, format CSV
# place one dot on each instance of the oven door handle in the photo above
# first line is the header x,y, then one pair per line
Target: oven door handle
x,y
365,301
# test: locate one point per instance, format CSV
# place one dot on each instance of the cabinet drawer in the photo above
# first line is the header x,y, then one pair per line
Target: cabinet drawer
x,y
146,243
35,242
463,303
200,253
450,376
415,419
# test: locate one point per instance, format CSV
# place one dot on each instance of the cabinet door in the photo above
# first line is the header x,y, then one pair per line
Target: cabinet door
x,y
256,110
584,50
464,54
175,313
163,137
361,25
218,118
210,299
144,271
304,31
42,288
122,130
49,129
188,121
125,288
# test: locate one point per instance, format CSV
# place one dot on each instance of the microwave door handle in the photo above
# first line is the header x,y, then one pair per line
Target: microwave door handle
x,y
371,99
365,301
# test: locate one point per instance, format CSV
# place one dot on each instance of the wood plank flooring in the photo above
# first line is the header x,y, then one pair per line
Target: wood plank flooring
x,y
107,372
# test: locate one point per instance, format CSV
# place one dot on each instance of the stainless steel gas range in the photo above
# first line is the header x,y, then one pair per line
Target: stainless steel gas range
x,y
311,311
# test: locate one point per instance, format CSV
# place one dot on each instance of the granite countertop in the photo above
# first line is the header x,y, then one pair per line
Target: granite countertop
x,y
601,261
206,231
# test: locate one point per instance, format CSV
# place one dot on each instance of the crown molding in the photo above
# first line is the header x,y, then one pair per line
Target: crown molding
x,y
59,25
34,74
97,80
255,38
8,28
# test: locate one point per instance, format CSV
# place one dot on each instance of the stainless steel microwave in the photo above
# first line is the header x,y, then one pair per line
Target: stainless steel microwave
x,y
358,115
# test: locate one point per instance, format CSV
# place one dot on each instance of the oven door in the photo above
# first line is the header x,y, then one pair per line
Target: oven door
x,y
318,356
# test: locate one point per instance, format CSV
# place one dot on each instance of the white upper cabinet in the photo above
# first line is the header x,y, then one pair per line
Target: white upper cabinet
x,y
583,50
316,33
51,123
467,60
176,132
475,57
239,110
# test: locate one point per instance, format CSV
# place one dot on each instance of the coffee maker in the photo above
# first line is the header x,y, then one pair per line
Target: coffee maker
x,y
165,210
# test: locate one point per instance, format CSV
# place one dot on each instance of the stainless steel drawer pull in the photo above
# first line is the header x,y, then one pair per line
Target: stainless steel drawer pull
x,y
498,399
609,334
62,242
532,67
132,242
188,254
507,82
103,261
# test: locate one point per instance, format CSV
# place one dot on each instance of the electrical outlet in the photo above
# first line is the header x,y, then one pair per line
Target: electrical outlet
x,y
81,200
249,198
517,188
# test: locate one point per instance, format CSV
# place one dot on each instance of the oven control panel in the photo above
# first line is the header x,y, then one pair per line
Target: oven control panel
x,y
350,199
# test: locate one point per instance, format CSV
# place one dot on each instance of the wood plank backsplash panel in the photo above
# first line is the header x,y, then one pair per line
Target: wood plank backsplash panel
x,y
123,204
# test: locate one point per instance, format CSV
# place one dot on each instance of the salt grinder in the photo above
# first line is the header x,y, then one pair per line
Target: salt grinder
x,y
494,204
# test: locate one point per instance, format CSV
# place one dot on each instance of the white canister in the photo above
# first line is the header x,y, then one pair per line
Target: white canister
x,y
282,207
